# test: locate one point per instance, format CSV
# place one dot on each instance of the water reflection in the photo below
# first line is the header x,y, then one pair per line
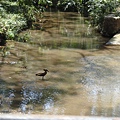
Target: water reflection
x,y
104,102
34,98
6,99
66,30
102,85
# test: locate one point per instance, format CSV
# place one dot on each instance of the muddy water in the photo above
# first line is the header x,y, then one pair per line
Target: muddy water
x,y
83,79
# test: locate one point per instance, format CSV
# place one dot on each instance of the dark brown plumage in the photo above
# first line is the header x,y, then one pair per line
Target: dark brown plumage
x,y
42,74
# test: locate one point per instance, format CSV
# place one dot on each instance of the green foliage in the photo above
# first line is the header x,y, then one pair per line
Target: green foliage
x,y
10,24
68,4
24,38
30,8
14,20
27,10
99,8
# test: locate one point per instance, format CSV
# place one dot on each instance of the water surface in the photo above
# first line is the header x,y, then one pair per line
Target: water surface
x,y
83,78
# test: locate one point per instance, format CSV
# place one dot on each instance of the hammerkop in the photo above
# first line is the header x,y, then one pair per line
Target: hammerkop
x,y
42,74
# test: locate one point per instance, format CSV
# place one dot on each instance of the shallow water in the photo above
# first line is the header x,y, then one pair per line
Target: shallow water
x,y
83,78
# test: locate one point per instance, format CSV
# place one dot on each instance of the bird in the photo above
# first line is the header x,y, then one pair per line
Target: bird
x,y
42,74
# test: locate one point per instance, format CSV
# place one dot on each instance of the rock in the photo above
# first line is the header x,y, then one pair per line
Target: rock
x,y
2,40
111,25
115,40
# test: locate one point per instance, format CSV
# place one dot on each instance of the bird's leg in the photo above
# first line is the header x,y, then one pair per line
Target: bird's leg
x,y
42,77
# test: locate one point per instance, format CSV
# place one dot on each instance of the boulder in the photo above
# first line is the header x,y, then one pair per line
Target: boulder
x,y
111,25
115,40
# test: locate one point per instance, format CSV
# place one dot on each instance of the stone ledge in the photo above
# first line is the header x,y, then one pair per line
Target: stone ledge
x,y
51,117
